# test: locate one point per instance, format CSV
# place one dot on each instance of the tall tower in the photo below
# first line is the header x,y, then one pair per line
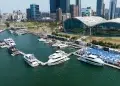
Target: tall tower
x,y
74,10
59,14
34,11
100,7
78,3
112,9
63,4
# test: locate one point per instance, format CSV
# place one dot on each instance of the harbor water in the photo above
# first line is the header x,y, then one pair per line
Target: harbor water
x,y
15,72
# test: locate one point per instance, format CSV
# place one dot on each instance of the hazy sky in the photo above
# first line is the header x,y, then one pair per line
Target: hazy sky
x,y
10,5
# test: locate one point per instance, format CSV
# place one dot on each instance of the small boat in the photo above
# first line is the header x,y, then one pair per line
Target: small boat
x,y
1,31
13,51
3,44
57,58
31,60
11,31
20,32
42,40
48,41
10,42
60,45
91,59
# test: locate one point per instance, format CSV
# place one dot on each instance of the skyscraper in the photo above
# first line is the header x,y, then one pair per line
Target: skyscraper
x,y
78,3
28,14
34,11
103,15
112,9
74,10
63,4
59,14
100,8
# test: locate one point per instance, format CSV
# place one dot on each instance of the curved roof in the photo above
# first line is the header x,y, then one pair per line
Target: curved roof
x,y
95,20
117,20
92,20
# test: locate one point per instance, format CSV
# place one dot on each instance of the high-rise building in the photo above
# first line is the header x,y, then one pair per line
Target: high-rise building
x,y
106,14
34,11
117,13
100,8
87,11
59,14
103,15
112,9
74,10
63,4
78,3
28,12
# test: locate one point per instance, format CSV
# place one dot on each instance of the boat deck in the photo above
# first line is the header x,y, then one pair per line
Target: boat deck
x,y
40,62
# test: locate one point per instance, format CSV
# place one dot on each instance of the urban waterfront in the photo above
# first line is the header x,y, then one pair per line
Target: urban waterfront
x,y
15,72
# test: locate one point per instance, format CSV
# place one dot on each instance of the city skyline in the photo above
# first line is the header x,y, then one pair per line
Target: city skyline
x,y
44,5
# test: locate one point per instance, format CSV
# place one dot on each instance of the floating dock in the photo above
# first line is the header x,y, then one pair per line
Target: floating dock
x,y
113,66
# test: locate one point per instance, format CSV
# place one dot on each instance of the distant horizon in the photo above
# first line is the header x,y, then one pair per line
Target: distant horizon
x,y
44,5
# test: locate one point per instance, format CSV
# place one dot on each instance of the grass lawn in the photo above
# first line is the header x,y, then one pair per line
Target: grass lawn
x,y
114,40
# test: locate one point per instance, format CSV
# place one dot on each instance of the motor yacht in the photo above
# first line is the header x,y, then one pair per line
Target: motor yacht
x,y
42,40
57,58
11,31
3,44
31,60
13,51
60,45
91,59
1,31
10,42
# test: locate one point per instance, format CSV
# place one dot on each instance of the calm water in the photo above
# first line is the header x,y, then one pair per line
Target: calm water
x,y
15,72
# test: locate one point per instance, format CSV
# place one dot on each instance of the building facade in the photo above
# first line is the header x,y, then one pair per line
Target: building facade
x,y
86,11
59,14
93,25
100,5
112,9
78,3
63,4
117,13
28,14
34,11
74,10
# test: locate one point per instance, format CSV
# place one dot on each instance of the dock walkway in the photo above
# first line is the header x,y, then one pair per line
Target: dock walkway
x,y
113,66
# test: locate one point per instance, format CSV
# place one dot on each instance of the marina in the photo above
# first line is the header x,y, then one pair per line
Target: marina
x,y
66,70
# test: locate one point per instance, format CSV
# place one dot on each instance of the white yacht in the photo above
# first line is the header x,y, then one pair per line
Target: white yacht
x,y
42,40
48,41
11,31
3,45
10,42
60,45
1,31
31,60
57,58
91,59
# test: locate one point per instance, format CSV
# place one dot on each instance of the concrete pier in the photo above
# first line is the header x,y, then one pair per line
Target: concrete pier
x,y
113,66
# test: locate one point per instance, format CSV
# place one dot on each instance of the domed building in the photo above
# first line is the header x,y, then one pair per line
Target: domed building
x,y
95,25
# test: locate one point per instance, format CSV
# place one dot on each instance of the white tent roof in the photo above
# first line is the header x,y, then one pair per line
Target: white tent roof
x,y
91,20
117,20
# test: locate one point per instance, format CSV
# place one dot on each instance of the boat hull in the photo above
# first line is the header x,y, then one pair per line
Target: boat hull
x,y
90,62
59,62
32,65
